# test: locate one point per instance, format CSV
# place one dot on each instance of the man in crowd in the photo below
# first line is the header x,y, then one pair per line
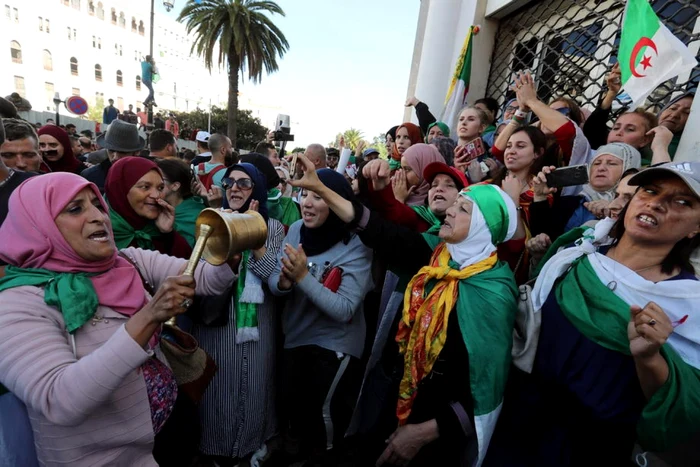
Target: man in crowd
x,y
10,178
316,153
86,144
71,130
163,145
211,173
142,118
77,147
158,122
204,155
20,103
121,140
332,157
20,150
110,113
268,150
172,126
130,116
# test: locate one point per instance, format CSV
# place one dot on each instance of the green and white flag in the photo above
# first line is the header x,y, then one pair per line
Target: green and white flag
x,y
649,53
459,86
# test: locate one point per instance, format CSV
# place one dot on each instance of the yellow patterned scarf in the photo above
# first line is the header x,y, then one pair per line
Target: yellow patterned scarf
x,y
423,328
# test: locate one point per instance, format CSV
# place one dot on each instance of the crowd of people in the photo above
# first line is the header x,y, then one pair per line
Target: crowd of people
x,y
454,304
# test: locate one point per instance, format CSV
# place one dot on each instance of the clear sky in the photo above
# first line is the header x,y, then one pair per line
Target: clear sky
x,y
348,65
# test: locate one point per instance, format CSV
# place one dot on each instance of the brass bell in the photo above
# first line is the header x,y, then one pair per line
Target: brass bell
x,y
221,235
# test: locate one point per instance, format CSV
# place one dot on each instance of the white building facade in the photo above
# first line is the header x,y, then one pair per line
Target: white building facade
x,y
94,49
568,45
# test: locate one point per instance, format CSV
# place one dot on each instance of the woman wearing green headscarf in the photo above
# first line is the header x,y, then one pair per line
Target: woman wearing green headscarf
x,y
140,216
455,331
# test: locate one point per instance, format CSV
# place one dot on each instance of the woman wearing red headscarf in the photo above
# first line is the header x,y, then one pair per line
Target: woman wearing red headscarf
x,y
140,216
407,134
56,150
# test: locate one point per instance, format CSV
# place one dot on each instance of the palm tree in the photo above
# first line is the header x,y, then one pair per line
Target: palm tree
x,y
236,33
352,138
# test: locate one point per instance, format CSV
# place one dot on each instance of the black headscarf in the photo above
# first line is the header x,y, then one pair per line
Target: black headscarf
x,y
264,165
316,241
392,132
259,188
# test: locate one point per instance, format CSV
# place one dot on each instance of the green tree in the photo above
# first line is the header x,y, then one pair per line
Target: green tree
x,y
298,149
250,130
94,113
352,138
379,143
235,33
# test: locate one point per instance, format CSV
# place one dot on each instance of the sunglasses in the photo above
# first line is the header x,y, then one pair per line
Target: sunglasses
x,y
242,183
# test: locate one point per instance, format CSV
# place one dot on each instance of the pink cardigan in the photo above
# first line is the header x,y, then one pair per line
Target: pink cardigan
x,y
91,410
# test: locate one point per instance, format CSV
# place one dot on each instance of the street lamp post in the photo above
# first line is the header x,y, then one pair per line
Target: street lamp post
x,y
168,4
57,100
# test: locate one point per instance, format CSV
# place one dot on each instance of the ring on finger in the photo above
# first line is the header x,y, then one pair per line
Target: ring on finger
x,y
652,322
186,303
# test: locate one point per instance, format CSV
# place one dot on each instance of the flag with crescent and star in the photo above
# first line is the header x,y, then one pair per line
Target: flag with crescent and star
x,y
649,53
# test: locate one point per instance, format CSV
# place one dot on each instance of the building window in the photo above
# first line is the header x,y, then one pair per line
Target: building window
x,y
94,42
41,24
142,28
75,35
121,51
69,32
91,8
138,83
74,66
75,4
75,92
114,16
120,79
99,43
19,85
50,93
134,26
8,12
122,20
100,11
116,49
48,61
15,12
98,73
47,26
16,52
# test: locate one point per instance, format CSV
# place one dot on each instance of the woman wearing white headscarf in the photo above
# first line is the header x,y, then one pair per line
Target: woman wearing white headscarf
x,y
582,203
456,329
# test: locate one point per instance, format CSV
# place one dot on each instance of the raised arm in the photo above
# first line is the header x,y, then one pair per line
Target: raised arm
x,y
527,94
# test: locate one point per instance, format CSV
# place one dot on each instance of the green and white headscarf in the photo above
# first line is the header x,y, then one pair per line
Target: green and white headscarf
x,y
488,227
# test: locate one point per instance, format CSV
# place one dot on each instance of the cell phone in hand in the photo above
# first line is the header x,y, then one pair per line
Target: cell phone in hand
x,y
293,166
568,176
474,148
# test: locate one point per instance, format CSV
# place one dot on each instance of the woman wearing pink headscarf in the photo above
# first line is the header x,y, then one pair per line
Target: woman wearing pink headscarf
x,y
78,331
413,162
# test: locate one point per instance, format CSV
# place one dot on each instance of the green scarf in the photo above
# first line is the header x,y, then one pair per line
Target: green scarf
x,y
428,216
394,164
71,293
282,208
486,308
186,217
671,415
125,234
247,295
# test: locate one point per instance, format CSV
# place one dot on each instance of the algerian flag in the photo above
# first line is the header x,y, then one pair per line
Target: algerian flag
x,y
459,87
649,53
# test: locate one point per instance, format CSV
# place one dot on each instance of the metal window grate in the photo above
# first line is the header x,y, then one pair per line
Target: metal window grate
x,y
570,45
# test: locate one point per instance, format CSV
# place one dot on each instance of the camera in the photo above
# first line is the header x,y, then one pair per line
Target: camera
x,y
282,131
